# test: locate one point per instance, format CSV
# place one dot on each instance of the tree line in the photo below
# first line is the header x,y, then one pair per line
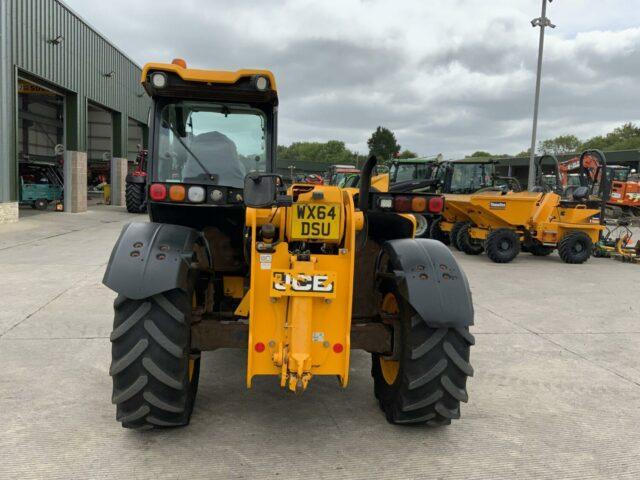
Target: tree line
x,y
624,137
384,144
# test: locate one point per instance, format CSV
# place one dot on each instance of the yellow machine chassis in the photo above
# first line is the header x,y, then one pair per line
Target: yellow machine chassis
x,y
454,210
298,334
541,216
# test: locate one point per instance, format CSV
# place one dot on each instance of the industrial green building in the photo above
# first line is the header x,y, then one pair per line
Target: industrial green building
x,y
69,100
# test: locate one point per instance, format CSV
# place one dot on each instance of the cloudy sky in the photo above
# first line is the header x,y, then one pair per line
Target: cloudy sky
x,y
450,76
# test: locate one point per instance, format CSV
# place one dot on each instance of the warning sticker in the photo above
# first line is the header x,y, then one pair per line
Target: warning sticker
x,y
318,336
265,261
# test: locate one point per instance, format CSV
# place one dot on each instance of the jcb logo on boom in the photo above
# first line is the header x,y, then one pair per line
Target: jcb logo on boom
x,y
289,282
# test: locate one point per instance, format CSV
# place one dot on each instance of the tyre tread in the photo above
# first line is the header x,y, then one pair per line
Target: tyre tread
x,y
455,230
465,243
436,233
565,248
150,352
492,249
135,197
433,375
125,394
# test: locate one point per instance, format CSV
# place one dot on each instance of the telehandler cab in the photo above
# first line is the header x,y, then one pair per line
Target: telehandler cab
x,y
298,277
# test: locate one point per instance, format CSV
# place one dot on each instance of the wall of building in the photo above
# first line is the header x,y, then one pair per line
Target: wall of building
x,y
81,64
40,124
99,135
136,139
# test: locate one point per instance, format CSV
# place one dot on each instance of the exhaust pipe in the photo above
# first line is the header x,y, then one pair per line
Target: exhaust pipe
x,y
365,183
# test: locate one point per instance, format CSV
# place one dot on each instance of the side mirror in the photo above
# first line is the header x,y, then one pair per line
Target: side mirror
x,y
263,190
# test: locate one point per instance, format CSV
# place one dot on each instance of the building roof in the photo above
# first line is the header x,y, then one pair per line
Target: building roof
x,y
97,32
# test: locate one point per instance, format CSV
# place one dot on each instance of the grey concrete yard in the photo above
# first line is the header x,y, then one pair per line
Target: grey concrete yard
x,y
556,392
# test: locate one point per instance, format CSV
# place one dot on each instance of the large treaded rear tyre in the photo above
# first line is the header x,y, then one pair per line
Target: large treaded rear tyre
x,y
502,245
575,247
428,382
436,233
155,376
467,244
135,198
455,230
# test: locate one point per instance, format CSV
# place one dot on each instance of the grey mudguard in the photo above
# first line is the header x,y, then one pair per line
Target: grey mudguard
x,y
150,258
430,279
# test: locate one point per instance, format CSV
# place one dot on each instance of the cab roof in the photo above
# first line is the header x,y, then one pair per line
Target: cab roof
x,y
479,160
205,76
416,160
341,165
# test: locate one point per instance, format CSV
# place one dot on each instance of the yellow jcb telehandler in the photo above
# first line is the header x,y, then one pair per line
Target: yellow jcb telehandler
x,y
299,276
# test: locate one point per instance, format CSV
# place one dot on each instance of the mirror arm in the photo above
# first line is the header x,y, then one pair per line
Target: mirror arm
x,y
284,200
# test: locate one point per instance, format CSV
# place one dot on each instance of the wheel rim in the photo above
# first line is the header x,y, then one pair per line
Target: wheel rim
x,y
578,247
390,368
421,225
505,244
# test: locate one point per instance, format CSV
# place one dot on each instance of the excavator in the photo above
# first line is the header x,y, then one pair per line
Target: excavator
x,y
625,192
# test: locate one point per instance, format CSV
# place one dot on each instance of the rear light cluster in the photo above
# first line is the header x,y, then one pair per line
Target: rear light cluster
x,y
179,193
411,203
159,192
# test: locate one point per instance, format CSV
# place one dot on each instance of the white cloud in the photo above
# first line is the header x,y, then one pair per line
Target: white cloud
x,y
449,77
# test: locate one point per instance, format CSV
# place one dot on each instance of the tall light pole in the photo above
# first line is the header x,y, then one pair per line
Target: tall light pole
x,y
541,22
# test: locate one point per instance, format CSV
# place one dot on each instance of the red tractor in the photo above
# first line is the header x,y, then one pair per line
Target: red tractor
x,y
136,191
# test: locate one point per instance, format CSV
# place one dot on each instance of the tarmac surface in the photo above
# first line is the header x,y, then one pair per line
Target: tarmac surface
x,y
556,391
